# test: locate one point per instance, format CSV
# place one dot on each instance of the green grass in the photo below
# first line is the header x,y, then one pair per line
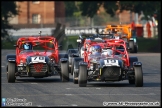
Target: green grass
x,y
144,44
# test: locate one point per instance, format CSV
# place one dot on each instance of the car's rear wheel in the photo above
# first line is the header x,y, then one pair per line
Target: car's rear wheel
x,y
76,69
64,72
11,72
131,45
72,66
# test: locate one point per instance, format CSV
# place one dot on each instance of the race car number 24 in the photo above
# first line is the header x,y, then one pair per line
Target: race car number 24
x,y
38,59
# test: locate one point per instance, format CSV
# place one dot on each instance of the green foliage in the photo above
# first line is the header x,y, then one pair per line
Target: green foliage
x,y
8,10
89,9
72,8
69,8
148,7
110,7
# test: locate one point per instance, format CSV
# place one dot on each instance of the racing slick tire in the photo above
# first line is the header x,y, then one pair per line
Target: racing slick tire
x,y
131,60
75,75
11,72
132,46
70,60
72,66
82,78
64,72
138,76
76,68
69,69
135,48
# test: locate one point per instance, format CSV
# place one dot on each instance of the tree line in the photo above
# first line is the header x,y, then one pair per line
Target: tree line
x,y
84,8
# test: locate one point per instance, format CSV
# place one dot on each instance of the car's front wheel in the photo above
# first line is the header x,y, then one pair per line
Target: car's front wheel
x,y
138,76
82,78
64,72
11,72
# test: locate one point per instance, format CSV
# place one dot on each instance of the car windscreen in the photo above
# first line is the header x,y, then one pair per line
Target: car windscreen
x,y
26,51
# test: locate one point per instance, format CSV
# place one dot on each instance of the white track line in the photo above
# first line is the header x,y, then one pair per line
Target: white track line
x,y
88,94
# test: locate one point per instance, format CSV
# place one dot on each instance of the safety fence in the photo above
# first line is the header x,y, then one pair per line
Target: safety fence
x,y
73,31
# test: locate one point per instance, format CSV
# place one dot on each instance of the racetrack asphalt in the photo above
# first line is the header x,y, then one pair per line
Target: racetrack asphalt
x,y
50,91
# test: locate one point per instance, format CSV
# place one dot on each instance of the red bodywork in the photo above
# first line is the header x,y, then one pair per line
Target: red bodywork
x,y
107,43
42,40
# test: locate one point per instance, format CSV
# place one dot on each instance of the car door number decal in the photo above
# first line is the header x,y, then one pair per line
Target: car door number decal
x,y
112,62
38,59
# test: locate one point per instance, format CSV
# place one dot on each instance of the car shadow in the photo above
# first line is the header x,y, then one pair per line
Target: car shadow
x,y
38,80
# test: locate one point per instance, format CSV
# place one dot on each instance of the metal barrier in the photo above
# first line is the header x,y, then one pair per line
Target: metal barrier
x,y
60,31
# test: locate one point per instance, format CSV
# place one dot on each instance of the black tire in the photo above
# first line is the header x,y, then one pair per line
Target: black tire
x,y
131,45
138,76
75,81
76,69
72,66
69,69
82,78
131,60
64,72
135,49
76,63
69,63
11,72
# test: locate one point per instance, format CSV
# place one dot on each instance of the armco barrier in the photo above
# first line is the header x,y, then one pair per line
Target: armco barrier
x,y
68,31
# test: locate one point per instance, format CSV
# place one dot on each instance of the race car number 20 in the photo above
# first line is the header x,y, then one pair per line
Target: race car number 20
x,y
38,59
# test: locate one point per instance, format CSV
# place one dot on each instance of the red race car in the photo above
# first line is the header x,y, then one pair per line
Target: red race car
x,y
37,57
107,60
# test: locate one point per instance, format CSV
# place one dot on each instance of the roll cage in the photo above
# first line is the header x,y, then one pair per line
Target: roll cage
x,y
124,29
42,40
109,43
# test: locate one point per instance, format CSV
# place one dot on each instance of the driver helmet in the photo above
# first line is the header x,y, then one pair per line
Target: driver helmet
x,y
27,46
97,49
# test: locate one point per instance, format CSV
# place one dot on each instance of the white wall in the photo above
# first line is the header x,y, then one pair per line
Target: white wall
x,y
68,31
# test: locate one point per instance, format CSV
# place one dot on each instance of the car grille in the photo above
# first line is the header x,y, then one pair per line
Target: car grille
x,y
38,67
111,73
